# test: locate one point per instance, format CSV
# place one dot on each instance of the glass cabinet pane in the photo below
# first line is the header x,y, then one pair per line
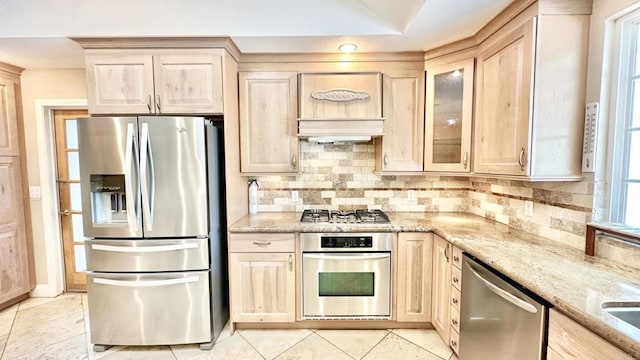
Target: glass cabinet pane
x,y
447,116
72,134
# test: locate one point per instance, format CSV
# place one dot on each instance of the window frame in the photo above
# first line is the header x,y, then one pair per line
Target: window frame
x,y
626,58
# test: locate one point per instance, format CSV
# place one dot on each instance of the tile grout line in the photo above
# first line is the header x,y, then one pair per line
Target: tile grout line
x,y
421,347
4,348
376,345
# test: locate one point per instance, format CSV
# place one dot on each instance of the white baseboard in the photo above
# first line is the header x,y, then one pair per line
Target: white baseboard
x,y
44,290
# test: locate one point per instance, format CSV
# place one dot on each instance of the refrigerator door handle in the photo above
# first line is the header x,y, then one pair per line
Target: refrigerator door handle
x,y
130,152
143,249
146,160
147,283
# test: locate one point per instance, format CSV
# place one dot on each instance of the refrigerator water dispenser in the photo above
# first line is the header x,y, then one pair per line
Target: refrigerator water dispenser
x,y
108,200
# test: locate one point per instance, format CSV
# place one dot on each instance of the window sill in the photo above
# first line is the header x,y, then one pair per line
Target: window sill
x,y
616,230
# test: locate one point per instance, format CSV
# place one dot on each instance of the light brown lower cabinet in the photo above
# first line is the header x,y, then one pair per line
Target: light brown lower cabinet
x,y
414,277
570,340
262,277
441,283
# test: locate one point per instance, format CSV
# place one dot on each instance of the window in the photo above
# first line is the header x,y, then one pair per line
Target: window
x,y
625,125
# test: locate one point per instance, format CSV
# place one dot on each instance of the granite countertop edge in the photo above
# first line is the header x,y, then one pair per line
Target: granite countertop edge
x,y
574,283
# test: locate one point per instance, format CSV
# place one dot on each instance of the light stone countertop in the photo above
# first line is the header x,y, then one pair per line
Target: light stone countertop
x,y
574,283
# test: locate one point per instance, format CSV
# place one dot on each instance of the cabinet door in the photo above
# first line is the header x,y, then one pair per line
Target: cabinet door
x,y
403,104
268,122
441,280
570,340
14,266
414,277
8,119
262,287
119,83
503,112
189,83
448,117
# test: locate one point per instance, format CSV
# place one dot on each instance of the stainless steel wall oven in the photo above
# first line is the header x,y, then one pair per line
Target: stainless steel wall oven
x,y
346,275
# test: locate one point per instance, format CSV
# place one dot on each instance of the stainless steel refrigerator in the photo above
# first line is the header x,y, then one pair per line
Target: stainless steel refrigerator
x,y
153,210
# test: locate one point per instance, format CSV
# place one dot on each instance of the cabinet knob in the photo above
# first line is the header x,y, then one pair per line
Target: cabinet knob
x,y
446,252
465,159
454,343
456,280
454,322
149,103
456,258
294,161
158,103
290,262
386,159
454,300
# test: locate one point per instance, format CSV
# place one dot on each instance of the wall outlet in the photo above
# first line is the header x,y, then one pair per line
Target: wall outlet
x,y
411,195
528,208
294,196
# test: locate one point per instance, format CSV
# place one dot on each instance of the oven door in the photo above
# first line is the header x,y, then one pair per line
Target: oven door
x,y
347,285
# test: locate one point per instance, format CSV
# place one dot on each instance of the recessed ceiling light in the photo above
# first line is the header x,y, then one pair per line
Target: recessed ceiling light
x,y
348,47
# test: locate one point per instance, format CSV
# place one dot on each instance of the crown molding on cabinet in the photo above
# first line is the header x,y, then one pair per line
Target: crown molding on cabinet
x,y
408,56
9,69
192,42
539,7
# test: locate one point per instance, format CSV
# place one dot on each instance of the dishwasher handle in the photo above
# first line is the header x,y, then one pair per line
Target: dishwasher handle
x,y
502,293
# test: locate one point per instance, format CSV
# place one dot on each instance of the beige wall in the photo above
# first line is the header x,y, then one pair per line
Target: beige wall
x,y
44,85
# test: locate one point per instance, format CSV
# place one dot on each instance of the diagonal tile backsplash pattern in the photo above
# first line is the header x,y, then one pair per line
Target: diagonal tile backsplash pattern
x,y
342,177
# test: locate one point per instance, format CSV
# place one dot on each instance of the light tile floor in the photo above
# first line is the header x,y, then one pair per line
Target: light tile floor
x,y
58,328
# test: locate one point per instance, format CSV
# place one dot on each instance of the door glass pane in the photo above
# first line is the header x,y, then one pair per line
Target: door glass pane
x,y
72,134
78,254
634,155
76,221
632,214
447,117
73,163
346,283
76,201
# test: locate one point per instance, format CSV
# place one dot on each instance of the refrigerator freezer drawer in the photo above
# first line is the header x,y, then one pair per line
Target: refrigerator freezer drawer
x,y
147,255
149,309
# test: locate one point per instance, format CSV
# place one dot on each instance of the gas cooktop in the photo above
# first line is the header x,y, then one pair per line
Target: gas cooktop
x,y
358,216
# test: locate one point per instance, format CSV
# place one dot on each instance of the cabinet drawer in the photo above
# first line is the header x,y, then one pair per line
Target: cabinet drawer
x,y
455,298
262,243
456,277
457,257
455,319
454,340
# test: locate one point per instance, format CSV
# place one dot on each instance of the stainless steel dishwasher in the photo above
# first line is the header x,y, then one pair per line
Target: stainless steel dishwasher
x,y
499,319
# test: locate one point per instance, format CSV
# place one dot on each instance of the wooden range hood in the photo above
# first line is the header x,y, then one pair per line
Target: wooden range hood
x,y
340,107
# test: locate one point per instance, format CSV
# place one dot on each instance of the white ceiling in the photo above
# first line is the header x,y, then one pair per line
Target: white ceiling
x,y
33,33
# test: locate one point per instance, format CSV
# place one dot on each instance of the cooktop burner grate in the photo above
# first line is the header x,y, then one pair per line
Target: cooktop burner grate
x,y
348,217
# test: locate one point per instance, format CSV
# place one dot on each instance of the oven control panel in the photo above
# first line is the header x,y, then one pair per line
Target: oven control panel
x,y
346,242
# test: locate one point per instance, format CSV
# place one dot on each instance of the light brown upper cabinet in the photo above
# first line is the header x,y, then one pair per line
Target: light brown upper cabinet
x,y
401,149
268,122
530,97
448,116
154,82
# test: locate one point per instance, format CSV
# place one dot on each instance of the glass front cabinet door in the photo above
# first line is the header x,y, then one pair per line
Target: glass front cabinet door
x,y
448,114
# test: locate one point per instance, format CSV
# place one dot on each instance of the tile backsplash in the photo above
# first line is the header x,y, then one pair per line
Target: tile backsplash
x,y
341,177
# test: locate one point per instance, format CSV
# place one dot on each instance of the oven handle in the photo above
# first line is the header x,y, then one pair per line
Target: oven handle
x,y
346,257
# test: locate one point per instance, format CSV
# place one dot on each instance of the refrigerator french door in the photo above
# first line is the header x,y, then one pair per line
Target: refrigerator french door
x,y
151,189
